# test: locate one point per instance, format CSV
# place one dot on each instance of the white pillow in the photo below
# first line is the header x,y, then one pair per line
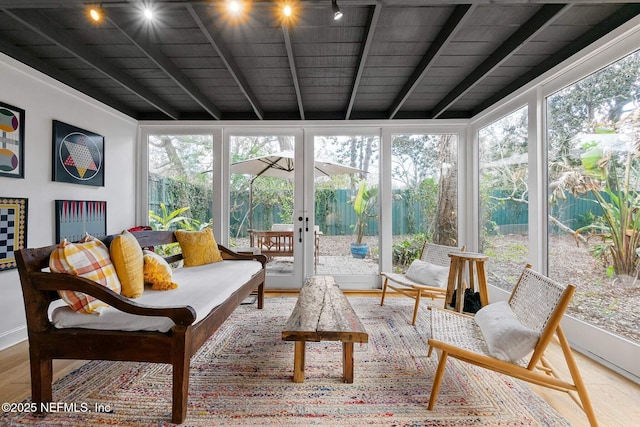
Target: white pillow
x,y
506,337
428,274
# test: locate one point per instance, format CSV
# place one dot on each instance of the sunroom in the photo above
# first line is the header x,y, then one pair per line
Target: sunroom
x,y
511,128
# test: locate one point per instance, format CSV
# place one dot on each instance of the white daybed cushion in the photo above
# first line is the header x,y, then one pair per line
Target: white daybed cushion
x,y
428,274
506,338
203,287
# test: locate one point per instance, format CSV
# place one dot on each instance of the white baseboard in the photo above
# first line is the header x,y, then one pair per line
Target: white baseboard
x,y
13,337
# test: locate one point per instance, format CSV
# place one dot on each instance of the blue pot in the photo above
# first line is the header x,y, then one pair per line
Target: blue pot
x,y
359,250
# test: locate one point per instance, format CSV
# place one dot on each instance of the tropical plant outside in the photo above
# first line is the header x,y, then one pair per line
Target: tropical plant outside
x,y
364,205
610,175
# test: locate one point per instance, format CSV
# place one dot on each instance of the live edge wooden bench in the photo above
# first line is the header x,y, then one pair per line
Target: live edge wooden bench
x,y
323,313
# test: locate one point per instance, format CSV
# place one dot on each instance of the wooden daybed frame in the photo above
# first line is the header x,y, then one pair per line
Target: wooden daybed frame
x,y
175,347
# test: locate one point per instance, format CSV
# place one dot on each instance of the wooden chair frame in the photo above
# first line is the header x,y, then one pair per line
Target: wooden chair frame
x,y
430,252
537,370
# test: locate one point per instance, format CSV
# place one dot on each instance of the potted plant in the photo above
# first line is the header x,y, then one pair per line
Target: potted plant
x,y
364,207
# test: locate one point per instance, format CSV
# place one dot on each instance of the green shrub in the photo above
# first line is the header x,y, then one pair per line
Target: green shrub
x,y
408,250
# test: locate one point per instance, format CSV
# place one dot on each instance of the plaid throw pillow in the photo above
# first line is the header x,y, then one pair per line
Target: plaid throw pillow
x,y
88,258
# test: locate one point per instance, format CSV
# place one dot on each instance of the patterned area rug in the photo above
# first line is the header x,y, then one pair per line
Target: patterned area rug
x,y
243,376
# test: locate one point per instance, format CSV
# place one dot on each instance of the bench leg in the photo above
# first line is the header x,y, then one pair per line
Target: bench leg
x,y
41,379
298,361
347,362
180,364
261,295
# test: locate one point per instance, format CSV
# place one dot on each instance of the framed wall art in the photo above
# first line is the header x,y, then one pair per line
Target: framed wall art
x,y
11,141
78,155
74,218
13,229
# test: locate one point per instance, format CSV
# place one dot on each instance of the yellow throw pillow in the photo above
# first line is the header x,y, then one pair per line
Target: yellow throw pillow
x,y
198,247
157,272
126,255
88,258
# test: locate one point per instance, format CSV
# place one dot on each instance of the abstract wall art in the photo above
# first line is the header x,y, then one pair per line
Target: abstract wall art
x,y
11,141
78,155
13,229
74,218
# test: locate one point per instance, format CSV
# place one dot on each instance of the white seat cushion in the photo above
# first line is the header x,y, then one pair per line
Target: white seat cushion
x,y
203,287
506,338
428,274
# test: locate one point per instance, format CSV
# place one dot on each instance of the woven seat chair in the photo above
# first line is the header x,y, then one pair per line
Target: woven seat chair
x,y
431,252
538,304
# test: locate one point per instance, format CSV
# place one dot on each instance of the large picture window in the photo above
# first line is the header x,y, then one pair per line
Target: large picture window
x,y
504,197
594,204
180,181
424,177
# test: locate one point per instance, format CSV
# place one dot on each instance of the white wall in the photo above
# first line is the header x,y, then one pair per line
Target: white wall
x,y
44,100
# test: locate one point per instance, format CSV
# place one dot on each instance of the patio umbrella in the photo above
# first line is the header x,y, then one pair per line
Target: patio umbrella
x,y
281,165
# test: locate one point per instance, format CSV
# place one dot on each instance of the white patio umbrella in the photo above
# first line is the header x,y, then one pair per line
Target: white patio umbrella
x,y
281,165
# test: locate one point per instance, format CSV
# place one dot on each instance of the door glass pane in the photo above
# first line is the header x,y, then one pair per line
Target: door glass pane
x,y
504,205
180,181
346,205
261,198
594,177
424,175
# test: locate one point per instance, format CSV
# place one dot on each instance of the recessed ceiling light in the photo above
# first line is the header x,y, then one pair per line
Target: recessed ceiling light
x,y
234,7
95,13
148,13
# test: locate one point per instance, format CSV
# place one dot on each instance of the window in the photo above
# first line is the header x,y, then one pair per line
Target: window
x,y
180,181
504,231
424,178
594,177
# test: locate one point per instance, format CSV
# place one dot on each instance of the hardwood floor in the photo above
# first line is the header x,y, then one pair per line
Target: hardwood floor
x,y
616,400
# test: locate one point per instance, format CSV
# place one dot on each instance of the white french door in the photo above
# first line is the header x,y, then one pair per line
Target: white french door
x,y
266,201
342,162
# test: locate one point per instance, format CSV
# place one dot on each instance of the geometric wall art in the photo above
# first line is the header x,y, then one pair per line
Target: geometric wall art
x,y
78,155
13,229
11,141
75,218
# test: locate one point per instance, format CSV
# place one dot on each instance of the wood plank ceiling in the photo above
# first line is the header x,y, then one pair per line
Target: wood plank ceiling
x,y
386,59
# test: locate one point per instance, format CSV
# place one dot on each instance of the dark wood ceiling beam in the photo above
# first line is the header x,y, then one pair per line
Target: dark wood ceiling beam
x,y
612,22
169,68
455,22
372,22
47,28
292,67
538,22
20,54
227,59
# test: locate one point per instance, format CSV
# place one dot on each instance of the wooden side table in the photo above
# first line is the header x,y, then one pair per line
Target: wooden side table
x,y
473,264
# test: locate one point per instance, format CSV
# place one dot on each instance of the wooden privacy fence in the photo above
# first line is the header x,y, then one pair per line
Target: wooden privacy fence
x,y
411,212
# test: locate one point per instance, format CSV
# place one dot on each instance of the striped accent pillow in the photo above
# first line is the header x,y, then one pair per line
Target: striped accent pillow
x,y
88,258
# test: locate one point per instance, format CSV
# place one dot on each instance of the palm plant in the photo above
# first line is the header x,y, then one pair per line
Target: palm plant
x,y
364,206
168,220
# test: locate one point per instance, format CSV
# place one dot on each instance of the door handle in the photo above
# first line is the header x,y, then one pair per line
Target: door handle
x,y
306,224
300,231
